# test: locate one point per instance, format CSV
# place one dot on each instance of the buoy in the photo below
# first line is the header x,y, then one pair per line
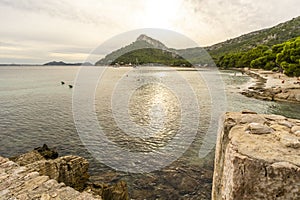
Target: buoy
x,y
70,86
62,82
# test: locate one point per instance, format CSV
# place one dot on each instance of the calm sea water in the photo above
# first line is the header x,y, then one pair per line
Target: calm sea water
x,y
36,109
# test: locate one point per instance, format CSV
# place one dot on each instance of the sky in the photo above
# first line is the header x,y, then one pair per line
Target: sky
x,y
35,32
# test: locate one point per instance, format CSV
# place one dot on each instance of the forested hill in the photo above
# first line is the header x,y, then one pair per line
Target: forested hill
x,y
280,57
269,37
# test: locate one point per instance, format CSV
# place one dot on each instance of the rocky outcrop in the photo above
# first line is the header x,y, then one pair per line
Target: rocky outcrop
x,y
70,170
22,183
257,157
153,42
274,94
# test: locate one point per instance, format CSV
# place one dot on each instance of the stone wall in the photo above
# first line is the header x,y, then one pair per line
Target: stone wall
x,y
257,157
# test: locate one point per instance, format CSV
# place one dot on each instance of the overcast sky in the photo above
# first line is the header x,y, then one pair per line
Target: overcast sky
x,y
35,31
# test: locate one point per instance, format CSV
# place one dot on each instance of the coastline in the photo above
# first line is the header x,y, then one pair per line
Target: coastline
x,y
272,86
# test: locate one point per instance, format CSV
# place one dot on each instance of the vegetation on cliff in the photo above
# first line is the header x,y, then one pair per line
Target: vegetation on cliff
x,y
284,56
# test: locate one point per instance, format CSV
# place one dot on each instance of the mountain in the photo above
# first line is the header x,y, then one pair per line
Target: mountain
x,y
269,37
155,43
142,42
146,50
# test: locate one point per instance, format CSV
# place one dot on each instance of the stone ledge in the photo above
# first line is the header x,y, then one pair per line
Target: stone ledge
x,y
257,157
21,183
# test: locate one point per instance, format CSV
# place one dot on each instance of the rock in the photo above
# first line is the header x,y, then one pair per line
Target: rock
x,y
27,158
72,170
46,152
251,166
23,184
248,112
286,123
297,133
250,118
290,141
294,129
283,96
116,192
274,117
257,128
68,170
280,128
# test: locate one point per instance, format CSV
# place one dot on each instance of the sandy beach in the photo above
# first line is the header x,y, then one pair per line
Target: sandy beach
x,y
275,79
273,86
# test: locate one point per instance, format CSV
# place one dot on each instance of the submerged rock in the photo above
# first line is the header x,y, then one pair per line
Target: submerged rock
x,y
46,152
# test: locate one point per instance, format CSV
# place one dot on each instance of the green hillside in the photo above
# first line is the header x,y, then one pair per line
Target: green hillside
x,y
269,37
110,58
280,57
151,55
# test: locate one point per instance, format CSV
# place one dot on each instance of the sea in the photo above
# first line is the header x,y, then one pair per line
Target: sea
x,y
152,127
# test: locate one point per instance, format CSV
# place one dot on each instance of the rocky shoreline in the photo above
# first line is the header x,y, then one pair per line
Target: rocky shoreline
x,y
280,88
69,175
172,182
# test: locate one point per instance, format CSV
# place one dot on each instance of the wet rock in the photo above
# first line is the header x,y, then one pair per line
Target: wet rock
x,y
257,128
116,191
46,152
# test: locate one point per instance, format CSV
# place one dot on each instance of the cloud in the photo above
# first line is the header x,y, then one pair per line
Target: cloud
x,y
218,20
61,27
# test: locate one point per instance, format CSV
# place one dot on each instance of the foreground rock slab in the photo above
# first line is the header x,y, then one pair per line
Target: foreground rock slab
x,y
21,183
257,160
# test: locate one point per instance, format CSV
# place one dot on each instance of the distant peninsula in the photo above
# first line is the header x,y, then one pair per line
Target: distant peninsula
x,y
61,63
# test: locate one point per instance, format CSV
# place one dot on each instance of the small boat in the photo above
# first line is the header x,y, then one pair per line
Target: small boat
x,y
70,86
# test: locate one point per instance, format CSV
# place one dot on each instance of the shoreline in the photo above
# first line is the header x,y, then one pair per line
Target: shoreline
x,y
272,86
